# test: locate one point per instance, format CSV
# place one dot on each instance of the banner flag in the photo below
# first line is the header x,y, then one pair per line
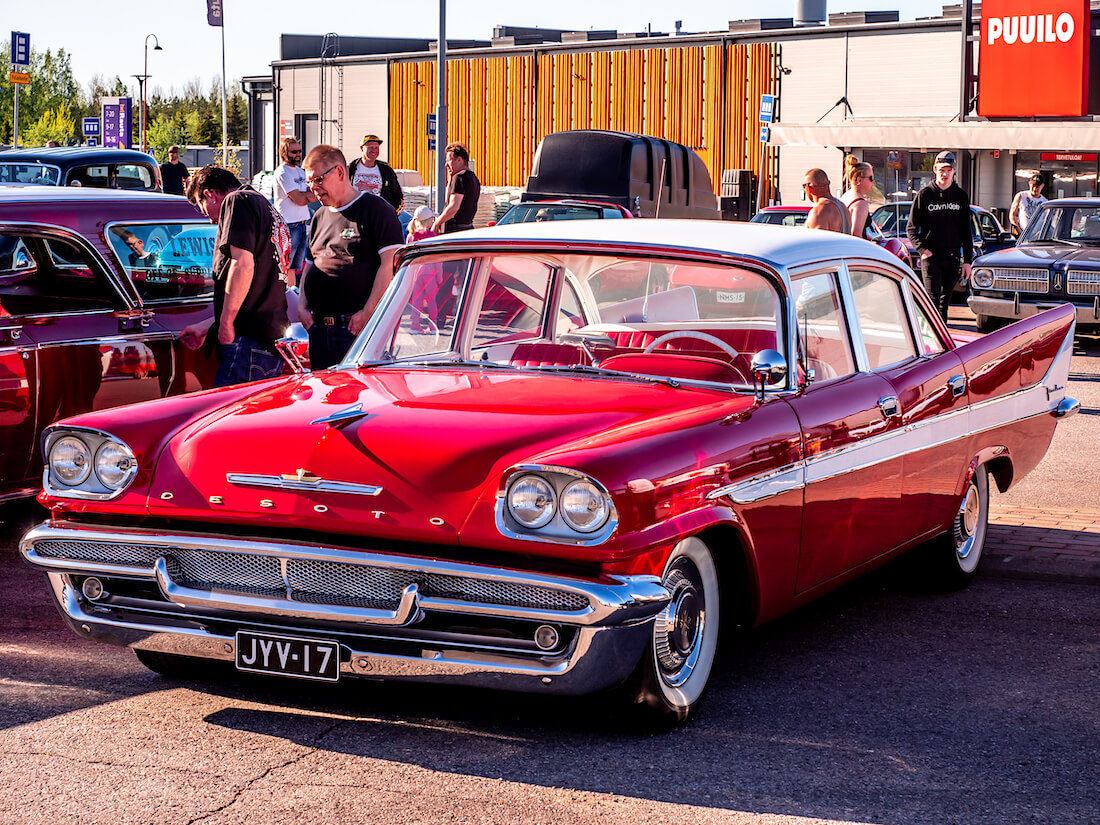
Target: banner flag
x,y
214,12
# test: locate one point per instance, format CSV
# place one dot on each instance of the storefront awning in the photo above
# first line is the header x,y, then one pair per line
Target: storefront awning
x,y
1076,136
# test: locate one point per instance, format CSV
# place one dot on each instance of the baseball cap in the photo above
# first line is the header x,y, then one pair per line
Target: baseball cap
x,y
370,139
1036,178
424,213
946,159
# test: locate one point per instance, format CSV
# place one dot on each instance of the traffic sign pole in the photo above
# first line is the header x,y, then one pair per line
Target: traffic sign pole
x,y
767,115
20,57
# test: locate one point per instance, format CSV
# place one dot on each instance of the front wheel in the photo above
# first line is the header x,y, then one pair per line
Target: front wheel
x,y
953,557
672,677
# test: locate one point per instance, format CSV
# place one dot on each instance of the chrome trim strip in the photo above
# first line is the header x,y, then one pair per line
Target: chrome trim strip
x,y
623,599
343,416
764,486
309,485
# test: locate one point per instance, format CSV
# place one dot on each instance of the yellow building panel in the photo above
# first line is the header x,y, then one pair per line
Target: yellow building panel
x,y
653,92
582,91
601,90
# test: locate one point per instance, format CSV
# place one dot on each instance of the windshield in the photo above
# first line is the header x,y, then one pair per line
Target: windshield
x,y
1064,223
645,317
35,173
782,218
528,212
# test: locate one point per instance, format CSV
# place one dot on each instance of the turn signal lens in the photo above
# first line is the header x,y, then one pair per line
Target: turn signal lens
x,y
531,501
584,506
70,461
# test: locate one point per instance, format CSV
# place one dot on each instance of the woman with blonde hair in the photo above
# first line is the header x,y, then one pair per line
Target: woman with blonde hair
x,y
861,180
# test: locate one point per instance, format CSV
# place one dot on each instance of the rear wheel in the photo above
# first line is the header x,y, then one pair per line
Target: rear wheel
x,y
672,677
953,558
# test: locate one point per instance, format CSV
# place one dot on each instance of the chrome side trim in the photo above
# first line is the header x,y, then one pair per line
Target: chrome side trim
x,y
307,484
617,600
763,486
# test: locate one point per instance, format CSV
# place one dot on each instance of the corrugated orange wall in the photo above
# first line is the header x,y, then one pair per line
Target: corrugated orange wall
x,y
706,97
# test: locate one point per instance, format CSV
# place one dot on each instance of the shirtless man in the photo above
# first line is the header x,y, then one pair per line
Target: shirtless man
x,y
827,211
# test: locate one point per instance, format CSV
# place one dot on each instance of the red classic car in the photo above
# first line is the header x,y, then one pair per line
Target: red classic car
x,y
85,301
558,459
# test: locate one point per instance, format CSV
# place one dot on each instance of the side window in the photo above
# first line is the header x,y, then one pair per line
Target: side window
x,y
882,319
514,302
133,176
570,314
47,276
166,261
930,342
822,330
95,176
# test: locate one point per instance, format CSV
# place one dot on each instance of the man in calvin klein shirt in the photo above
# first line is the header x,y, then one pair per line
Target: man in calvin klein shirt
x,y
939,230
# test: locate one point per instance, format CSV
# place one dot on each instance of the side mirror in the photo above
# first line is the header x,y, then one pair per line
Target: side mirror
x,y
295,348
768,368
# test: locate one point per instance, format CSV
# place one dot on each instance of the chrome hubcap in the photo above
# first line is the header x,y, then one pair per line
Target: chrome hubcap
x,y
967,522
678,629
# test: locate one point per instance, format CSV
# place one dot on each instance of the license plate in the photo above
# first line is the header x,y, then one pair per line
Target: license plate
x,y
288,656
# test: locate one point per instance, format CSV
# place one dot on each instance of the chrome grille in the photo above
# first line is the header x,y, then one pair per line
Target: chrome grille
x,y
316,581
1021,280
463,589
204,569
1082,282
134,555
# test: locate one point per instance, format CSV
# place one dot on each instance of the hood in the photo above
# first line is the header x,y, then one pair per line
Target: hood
x,y
417,451
1042,254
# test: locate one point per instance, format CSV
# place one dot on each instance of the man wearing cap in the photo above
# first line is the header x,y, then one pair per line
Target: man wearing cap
x,y
939,230
173,174
369,174
1026,204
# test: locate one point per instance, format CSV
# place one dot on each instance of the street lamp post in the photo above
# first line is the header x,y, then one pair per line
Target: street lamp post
x,y
141,82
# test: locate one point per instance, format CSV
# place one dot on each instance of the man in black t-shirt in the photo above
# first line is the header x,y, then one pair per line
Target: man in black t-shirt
x,y
250,251
352,238
173,174
463,191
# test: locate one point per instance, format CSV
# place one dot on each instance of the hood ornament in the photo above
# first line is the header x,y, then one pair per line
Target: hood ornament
x,y
302,479
343,417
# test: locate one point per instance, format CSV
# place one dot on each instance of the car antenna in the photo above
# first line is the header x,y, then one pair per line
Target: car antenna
x,y
660,189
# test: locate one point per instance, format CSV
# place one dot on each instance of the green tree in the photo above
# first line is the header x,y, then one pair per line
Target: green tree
x,y
52,85
162,133
54,124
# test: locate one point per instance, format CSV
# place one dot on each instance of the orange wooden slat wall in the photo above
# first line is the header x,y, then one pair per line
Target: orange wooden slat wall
x,y
706,97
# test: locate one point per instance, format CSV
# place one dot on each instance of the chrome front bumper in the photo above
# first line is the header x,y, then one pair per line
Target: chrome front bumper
x,y
604,624
1087,316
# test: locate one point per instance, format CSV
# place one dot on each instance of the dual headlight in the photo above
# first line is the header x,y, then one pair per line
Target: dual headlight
x,y
982,278
87,464
555,503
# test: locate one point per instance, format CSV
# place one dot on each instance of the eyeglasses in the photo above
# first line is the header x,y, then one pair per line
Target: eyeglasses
x,y
294,151
314,181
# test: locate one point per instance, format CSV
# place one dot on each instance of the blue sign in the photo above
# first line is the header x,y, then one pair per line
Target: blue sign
x,y
765,133
91,126
117,122
767,108
91,142
20,48
431,143
431,126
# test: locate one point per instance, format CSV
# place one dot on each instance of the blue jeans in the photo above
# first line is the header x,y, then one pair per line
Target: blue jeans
x,y
328,344
245,360
299,237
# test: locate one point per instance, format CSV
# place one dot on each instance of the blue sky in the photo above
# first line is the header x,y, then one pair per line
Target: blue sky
x,y
105,39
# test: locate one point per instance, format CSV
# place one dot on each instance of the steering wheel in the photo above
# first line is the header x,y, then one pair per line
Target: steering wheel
x,y
698,336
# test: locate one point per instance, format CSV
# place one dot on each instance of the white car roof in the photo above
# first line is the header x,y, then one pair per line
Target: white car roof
x,y
781,246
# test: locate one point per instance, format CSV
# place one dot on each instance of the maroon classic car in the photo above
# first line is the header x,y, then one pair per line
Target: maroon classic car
x,y
559,459
95,288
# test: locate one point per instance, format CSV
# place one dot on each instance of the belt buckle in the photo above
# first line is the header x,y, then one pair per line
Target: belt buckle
x,y
328,321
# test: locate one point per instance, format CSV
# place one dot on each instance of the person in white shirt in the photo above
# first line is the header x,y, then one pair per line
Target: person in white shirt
x,y
374,176
1026,204
292,199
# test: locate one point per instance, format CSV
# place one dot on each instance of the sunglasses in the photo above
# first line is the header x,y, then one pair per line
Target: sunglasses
x,y
320,178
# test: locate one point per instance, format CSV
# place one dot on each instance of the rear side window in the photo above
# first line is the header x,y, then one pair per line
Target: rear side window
x,y
133,176
166,261
49,276
882,319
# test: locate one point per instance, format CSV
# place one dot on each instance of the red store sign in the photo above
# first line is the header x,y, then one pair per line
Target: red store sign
x,y
1067,156
1033,59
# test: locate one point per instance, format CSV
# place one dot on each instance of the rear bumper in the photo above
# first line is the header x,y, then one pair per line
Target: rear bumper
x,y
469,637
1087,316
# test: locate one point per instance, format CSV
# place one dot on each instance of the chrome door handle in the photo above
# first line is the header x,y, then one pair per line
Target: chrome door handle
x,y
957,385
889,406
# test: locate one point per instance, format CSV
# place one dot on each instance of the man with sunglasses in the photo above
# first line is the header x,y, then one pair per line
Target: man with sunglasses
x,y
352,238
173,174
292,199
